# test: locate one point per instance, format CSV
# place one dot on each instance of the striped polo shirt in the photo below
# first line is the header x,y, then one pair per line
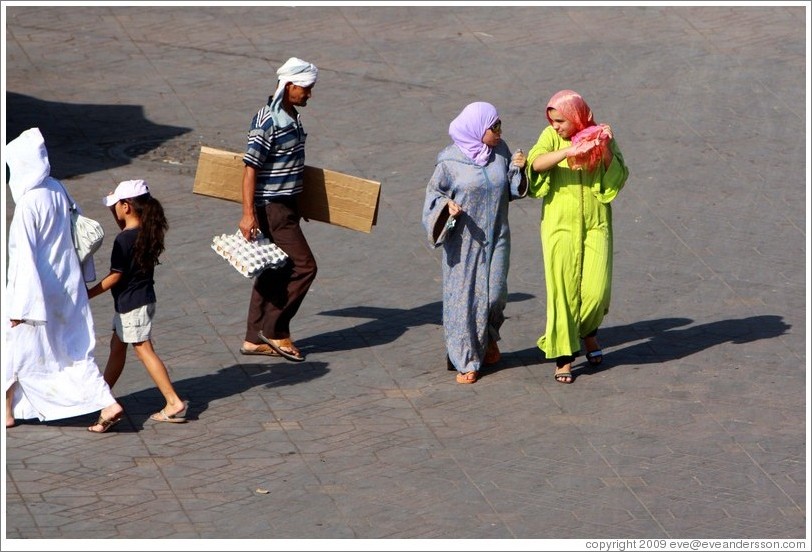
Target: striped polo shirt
x,y
276,148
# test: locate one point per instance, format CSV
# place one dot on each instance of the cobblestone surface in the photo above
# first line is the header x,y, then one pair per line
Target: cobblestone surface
x,y
692,428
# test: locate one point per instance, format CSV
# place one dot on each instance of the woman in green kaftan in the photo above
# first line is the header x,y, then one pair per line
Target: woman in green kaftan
x,y
577,169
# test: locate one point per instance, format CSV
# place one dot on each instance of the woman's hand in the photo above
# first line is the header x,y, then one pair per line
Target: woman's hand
x,y
454,209
519,159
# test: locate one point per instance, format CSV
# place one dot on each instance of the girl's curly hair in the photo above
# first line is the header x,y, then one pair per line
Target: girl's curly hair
x,y
150,242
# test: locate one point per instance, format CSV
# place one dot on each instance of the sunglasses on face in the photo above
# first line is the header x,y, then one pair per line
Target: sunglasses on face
x,y
496,127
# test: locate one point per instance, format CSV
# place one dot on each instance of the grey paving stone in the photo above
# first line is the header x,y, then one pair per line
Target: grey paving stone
x,y
692,427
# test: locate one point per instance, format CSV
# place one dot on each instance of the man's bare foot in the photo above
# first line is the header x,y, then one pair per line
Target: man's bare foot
x,y
288,346
263,349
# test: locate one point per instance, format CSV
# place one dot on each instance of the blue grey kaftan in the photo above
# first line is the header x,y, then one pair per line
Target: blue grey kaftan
x,y
476,251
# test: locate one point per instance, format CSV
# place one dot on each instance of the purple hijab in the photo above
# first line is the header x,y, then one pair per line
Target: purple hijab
x,y
469,127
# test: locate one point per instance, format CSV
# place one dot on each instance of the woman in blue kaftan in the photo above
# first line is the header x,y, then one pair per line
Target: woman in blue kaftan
x,y
466,212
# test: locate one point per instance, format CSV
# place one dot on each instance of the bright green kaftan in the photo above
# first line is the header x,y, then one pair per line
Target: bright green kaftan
x,y
576,241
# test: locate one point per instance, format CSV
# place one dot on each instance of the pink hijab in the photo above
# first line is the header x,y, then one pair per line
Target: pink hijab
x,y
468,128
590,139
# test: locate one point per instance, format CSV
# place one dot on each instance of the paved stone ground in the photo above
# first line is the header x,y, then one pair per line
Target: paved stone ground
x,y
694,427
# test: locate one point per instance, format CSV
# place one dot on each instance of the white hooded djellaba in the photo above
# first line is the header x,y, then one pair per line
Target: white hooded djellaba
x,y
50,355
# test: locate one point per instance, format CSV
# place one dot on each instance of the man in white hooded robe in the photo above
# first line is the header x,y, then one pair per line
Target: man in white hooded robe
x,y
49,367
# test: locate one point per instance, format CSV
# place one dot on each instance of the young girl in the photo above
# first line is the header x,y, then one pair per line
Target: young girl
x,y
132,262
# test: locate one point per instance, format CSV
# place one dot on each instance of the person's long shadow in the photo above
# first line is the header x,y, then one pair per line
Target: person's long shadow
x,y
87,138
657,341
202,390
661,343
654,341
386,325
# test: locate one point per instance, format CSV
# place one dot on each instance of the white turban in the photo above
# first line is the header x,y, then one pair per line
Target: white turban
x,y
295,70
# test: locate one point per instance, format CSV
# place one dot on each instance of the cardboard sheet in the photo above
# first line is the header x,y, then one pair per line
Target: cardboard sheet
x,y
328,196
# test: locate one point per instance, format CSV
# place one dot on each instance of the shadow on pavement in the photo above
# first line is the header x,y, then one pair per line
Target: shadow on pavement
x,y
661,342
202,390
87,138
386,326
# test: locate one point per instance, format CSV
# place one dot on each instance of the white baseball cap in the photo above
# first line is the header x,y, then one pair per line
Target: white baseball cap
x,y
126,190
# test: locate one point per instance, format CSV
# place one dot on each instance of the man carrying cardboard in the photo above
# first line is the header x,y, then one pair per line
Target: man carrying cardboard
x,y
272,178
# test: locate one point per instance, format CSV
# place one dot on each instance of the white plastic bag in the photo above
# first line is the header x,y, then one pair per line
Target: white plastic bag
x,y
88,234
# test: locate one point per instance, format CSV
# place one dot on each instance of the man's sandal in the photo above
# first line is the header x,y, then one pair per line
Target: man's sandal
x,y
284,348
260,350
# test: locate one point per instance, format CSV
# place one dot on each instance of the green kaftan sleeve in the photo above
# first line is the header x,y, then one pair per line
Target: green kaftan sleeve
x,y
539,182
606,182
610,181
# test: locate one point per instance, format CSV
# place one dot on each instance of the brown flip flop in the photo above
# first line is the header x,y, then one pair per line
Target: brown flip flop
x,y
287,351
261,350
